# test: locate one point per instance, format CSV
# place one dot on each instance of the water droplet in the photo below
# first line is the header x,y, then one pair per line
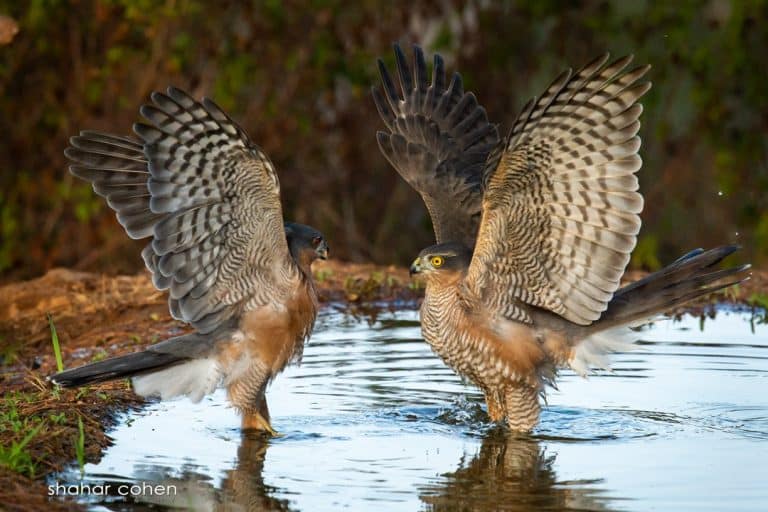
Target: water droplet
x,y
720,192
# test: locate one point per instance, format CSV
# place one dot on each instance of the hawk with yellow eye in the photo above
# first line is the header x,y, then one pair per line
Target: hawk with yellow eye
x,y
534,230
209,200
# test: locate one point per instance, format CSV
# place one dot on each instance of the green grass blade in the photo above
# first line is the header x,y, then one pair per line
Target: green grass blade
x,y
80,446
56,347
17,448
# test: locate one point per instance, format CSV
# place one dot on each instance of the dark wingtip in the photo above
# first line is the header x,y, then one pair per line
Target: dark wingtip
x,y
156,97
382,67
146,110
438,62
689,255
399,53
406,79
172,91
142,129
180,96
457,83
724,251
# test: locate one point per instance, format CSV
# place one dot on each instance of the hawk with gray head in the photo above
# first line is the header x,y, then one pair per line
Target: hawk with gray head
x,y
209,199
534,231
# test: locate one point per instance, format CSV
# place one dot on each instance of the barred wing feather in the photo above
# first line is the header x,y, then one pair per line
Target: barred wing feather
x,y
560,206
207,196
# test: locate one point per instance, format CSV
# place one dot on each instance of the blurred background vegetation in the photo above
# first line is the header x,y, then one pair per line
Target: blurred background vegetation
x,y
297,76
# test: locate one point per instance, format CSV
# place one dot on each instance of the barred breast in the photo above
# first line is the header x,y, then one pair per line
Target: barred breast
x,y
473,352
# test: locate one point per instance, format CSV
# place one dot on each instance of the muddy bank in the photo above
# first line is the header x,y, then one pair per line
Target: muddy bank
x,y
100,316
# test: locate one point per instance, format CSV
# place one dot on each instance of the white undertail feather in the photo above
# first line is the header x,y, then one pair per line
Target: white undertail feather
x,y
595,350
239,367
194,379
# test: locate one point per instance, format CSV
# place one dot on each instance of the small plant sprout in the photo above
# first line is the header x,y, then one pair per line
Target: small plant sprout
x,y
15,458
80,445
56,347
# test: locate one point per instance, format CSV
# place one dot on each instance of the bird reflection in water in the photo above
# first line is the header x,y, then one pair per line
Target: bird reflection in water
x,y
241,489
511,473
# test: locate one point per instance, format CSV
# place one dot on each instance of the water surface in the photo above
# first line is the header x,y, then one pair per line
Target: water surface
x,y
372,420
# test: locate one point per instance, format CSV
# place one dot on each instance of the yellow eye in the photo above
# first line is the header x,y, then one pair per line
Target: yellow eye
x,y
437,261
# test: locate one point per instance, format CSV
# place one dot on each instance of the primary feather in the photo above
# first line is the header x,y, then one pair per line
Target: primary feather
x,y
438,138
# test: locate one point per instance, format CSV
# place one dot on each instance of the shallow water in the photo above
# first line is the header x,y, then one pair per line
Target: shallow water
x,y
372,420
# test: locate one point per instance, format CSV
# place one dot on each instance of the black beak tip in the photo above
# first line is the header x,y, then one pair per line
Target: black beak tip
x,y
322,251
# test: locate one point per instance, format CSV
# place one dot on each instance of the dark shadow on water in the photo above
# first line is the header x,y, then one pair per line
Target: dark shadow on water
x,y
511,473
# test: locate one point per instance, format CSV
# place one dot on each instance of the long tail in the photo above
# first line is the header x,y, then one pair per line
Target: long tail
x,y
171,352
115,368
691,276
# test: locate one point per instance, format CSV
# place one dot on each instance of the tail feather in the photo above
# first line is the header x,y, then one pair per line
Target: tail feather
x,y
116,368
171,352
687,278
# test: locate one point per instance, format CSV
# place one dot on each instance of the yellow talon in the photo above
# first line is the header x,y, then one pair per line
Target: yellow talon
x,y
255,421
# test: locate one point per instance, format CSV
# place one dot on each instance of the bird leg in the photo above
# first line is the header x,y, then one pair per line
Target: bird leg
x,y
521,402
258,418
495,409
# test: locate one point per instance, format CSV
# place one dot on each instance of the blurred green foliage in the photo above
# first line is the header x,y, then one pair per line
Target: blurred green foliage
x,y
297,75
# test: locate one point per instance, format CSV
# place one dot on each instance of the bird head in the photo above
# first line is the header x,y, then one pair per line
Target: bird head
x,y
442,260
305,243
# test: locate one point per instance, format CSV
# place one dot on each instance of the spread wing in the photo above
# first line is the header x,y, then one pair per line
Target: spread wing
x,y
438,139
208,197
560,209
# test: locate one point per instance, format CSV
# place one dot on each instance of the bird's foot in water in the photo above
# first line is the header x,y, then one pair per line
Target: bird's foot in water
x,y
254,421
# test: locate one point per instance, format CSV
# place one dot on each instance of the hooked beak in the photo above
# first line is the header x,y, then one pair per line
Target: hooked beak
x,y
322,250
415,267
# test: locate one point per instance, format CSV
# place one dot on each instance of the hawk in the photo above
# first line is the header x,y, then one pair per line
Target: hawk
x,y
235,271
534,230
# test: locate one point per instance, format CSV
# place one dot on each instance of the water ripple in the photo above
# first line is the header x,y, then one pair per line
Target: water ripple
x,y
373,420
